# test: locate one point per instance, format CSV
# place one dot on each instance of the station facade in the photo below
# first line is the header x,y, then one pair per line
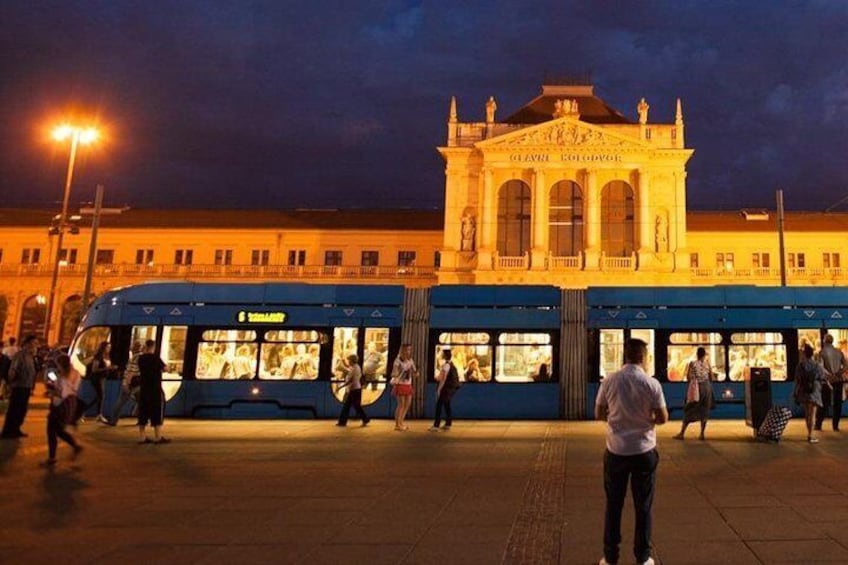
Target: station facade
x,y
565,191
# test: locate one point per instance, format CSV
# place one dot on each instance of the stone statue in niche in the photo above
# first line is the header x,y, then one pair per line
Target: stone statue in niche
x,y
469,229
491,106
662,234
643,108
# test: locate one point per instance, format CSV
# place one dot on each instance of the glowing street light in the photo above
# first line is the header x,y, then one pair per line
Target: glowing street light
x,y
77,135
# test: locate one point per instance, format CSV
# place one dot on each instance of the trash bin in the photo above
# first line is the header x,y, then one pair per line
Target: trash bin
x,y
757,395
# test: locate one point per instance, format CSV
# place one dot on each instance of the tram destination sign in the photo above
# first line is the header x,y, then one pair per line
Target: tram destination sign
x,y
250,317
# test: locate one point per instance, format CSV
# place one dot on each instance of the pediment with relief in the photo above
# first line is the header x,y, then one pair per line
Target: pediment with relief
x,y
558,133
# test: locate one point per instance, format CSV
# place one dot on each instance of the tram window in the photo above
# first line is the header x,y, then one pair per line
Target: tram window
x,y
679,357
521,355
648,337
771,355
471,355
226,354
840,340
173,351
375,358
695,338
345,343
612,351
811,336
756,337
290,354
86,344
140,334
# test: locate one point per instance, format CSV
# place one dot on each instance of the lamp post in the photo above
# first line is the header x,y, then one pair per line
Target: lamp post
x,y
78,136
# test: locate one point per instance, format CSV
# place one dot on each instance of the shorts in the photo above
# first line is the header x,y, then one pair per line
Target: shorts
x,y
402,390
151,409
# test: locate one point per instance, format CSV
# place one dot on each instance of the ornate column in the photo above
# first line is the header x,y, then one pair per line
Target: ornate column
x,y
592,220
488,223
541,205
677,235
451,236
646,221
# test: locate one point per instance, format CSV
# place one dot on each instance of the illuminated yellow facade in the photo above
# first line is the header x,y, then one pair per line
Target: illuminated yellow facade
x,y
566,191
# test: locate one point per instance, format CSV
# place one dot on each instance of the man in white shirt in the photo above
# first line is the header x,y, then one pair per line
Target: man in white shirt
x,y
632,404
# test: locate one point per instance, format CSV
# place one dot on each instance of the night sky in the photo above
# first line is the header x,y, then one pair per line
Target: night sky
x,y
327,104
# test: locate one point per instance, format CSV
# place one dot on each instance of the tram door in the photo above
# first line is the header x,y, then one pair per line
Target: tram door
x,y
171,346
371,346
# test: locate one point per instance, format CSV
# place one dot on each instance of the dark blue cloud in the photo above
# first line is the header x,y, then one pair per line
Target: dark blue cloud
x,y
328,104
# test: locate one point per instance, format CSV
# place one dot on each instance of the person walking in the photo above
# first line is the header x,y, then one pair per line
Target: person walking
x,y
353,382
62,385
151,399
448,379
129,384
97,372
21,380
403,371
833,363
632,404
700,400
809,380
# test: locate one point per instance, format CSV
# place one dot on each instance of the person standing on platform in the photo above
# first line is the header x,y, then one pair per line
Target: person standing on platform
x,y
97,372
632,404
403,371
21,380
129,384
63,384
700,403
833,363
151,399
353,382
809,379
448,379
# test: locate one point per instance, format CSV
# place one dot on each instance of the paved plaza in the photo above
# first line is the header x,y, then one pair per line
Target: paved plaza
x,y
485,492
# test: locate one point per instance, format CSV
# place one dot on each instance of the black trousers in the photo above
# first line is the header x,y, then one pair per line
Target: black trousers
x,y
830,399
353,400
641,470
16,411
56,430
98,382
444,401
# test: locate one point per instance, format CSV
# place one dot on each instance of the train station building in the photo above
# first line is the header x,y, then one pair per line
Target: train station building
x,y
564,191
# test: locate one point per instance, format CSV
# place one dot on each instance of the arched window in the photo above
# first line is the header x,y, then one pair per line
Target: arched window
x,y
4,312
566,219
33,316
513,218
71,316
617,219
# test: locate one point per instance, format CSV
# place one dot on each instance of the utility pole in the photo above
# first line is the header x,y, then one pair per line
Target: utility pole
x,y
92,248
780,237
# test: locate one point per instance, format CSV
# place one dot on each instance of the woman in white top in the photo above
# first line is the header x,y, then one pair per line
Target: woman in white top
x,y
63,386
353,382
403,371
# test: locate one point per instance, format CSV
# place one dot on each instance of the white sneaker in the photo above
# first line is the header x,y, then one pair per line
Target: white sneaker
x,y
433,429
446,428
648,561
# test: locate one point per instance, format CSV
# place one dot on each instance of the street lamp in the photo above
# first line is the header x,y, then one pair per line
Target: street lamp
x,y
77,135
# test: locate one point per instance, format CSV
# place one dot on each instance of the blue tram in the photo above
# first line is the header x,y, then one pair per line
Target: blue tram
x,y
277,350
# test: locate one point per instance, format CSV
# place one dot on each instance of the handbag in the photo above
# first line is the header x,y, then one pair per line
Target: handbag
x,y
693,391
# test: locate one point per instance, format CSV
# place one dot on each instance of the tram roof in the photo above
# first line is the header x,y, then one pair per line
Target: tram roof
x,y
715,296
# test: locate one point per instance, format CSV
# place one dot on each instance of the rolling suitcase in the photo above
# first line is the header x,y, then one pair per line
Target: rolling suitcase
x,y
775,423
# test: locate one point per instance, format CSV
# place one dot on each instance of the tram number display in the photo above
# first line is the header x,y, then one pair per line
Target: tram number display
x,y
248,317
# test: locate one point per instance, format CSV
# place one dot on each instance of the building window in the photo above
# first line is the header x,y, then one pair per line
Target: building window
x,y
406,258
68,256
725,261
223,256
183,256
437,259
260,257
31,256
514,219
566,219
105,257
693,260
797,261
830,260
370,258
297,257
144,257
1,255
618,226
761,260
333,258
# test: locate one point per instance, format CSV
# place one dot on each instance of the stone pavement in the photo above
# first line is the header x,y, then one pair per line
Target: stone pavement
x,y
485,492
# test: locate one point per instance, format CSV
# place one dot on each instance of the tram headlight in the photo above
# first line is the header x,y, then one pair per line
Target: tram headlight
x,y
254,391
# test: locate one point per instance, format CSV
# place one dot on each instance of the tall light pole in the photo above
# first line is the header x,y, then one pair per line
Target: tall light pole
x,y
78,136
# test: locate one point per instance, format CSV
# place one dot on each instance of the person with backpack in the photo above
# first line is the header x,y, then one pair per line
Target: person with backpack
x,y
809,379
448,379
